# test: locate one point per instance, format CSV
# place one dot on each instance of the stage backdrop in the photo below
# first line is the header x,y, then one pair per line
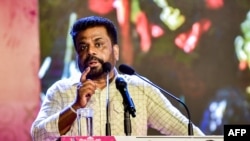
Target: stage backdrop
x,y
19,65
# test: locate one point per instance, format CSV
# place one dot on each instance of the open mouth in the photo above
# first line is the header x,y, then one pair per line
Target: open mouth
x,y
93,63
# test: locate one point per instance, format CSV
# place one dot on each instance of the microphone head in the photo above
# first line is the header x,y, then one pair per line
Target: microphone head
x,y
120,83
106,67
126,69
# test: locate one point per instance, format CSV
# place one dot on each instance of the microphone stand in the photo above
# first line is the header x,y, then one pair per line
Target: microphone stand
x,y
128,70
127,121
190,124
108,130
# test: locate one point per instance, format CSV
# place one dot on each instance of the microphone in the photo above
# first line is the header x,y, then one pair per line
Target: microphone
x,y
130,71
106,68
121,85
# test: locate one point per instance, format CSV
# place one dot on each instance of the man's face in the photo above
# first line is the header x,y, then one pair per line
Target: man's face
x,y
93,48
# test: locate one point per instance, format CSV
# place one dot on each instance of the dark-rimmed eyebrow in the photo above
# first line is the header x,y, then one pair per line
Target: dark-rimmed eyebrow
x,y
98,39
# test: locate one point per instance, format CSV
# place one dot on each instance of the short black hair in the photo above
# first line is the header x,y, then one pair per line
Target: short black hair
x,y
94,21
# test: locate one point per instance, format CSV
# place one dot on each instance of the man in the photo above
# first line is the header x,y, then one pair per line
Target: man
x,y
95,41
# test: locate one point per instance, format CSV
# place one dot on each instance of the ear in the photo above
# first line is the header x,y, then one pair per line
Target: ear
x,y
116,51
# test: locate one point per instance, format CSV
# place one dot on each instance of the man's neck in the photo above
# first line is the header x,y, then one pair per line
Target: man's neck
x,y
101,81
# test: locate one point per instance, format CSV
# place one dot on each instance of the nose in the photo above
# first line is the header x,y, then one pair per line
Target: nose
x,y
91,50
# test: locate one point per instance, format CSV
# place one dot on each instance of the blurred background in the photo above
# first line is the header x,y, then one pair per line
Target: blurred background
x,y
197,50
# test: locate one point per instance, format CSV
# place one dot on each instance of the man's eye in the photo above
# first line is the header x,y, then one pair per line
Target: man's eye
x,y
98,44
82,47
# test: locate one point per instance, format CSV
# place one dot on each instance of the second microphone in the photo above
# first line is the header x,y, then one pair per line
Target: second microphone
x,y
121,85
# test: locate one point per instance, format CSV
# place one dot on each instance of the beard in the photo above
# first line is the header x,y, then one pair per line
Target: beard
x,y
95,72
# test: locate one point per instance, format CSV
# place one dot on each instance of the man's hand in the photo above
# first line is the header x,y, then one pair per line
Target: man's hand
x,y
85,90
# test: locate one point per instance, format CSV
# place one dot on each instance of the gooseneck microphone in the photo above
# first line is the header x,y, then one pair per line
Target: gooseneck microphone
x,y
106,68
130,71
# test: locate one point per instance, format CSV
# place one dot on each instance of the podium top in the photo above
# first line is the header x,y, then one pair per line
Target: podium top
x,y
142,138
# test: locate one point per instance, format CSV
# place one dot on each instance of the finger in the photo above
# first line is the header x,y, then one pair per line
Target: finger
x,y
87,85
85,93
86,90
84,74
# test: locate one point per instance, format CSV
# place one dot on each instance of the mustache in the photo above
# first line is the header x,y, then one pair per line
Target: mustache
x,y
91,57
